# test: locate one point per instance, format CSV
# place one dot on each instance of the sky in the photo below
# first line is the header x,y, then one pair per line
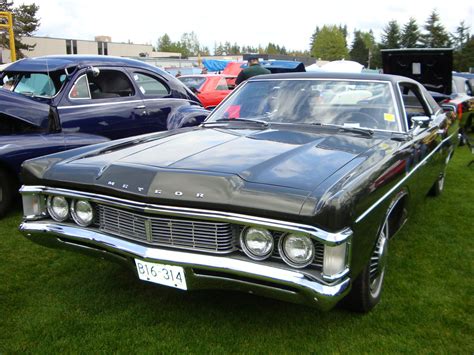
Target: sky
x,y
286,23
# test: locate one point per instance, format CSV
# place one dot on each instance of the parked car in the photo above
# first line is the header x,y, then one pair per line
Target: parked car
x,y
211,89
292,188
54,103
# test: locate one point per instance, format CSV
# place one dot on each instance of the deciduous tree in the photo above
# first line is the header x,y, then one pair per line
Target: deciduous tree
x,y
329,44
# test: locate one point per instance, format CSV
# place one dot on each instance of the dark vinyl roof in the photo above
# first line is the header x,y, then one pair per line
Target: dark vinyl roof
x,y
58,62
329,75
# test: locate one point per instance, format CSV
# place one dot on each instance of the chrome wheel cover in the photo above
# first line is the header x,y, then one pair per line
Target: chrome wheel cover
x,y
378,261
441,183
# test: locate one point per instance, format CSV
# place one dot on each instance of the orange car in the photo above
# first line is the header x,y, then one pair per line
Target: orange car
x,y
211,89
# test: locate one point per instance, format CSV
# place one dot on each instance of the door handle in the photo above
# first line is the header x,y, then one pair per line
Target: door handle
x,y
140,107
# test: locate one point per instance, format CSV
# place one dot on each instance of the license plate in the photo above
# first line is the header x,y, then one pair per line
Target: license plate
x,y
162,274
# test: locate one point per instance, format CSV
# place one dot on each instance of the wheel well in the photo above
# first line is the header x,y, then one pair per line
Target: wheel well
x,y
397,214
11,174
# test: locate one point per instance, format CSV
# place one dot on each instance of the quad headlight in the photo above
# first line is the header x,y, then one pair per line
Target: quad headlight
x,y
58,208
257,243
82,212
296,250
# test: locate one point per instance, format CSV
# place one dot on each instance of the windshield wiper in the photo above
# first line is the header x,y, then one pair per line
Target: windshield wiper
x,y
230,120
365,131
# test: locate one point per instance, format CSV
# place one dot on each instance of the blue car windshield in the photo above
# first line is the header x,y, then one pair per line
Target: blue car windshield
x,y
354,103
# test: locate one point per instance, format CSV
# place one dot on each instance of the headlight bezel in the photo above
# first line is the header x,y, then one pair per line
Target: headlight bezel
x,y
50,208
287,259
248,252
74,214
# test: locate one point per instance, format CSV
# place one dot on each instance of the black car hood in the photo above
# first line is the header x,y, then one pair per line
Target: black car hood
x,y
293,159
267,170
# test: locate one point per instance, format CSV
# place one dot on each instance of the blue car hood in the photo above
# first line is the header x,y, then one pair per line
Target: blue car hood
x,y
24,108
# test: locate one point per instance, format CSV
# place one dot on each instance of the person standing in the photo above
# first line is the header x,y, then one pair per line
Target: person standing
x,y
254,68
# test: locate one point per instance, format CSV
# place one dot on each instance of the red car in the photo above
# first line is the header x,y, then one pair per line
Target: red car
x,y
211,89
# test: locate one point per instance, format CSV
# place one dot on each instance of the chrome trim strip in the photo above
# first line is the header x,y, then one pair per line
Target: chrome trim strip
x,y
389,192
100,104
285,226
120,102
316,291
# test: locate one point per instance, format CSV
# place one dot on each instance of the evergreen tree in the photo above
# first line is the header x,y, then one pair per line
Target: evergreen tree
x,y
164,44
436,35
359,51
464,59
329,44
25,24
313,38
391,36
461,36
219,50
410,34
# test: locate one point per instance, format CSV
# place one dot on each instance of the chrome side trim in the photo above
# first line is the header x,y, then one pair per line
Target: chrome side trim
x,y
389,192
119,102
99,104
284,226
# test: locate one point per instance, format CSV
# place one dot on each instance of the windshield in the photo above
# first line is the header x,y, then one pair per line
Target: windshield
x,y
353,103
194,82
35,84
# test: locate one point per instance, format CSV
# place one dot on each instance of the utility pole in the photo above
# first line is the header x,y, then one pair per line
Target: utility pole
x,y
9,26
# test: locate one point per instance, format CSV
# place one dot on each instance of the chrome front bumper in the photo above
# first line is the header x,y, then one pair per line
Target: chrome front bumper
x,y
202,271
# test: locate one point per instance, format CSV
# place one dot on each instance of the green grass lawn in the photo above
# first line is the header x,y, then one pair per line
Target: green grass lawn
x,y
55,301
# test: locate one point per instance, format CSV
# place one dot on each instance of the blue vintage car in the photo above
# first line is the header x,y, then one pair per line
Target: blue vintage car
x,y
54,103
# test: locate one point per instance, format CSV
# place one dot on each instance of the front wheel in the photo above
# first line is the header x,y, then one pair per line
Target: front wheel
x,y
438,186
367,287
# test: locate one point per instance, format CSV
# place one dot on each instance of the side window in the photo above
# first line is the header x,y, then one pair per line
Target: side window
x,y
150,86
413,103
110,84
222,85
80,89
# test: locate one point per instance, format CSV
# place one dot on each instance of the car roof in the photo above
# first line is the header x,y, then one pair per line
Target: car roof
x,y
58,62
212,75
328,75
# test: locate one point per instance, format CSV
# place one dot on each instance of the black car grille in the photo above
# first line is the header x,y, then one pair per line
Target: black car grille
x,y
215,237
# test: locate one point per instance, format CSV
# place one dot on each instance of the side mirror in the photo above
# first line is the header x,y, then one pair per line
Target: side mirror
x,y
420,121
93,71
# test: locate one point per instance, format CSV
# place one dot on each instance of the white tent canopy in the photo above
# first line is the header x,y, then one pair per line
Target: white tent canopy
x,y
338,66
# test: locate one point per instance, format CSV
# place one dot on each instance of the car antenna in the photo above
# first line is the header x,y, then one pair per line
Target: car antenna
x,y
50,82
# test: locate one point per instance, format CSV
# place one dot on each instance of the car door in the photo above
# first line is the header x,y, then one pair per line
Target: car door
x,y
426,156
102,102
158,101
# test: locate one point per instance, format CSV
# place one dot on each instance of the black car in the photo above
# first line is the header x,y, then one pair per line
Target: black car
x,y
292,189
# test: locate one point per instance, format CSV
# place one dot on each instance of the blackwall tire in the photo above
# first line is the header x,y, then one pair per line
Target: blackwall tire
x,y
367,287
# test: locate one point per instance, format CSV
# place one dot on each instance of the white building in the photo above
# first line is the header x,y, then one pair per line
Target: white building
x,y
102,45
